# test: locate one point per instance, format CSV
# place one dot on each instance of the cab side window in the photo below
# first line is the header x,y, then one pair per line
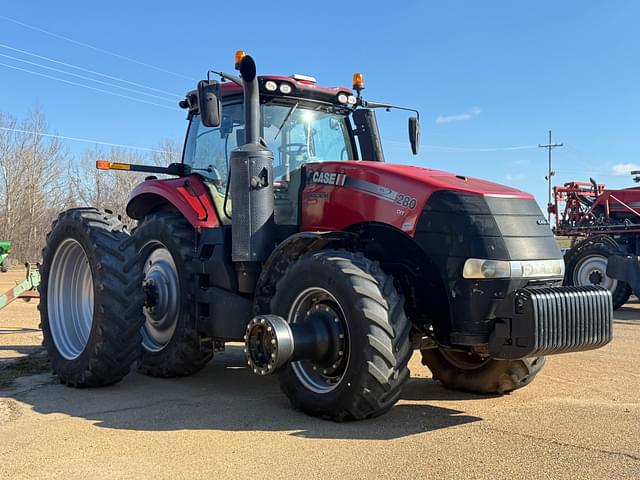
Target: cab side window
x,y
207,149
207,152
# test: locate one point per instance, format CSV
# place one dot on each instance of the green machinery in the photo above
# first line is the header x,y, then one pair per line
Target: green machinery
x,y
25,290
5,249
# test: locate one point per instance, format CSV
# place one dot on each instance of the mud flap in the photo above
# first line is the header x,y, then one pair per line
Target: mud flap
x,y
625,268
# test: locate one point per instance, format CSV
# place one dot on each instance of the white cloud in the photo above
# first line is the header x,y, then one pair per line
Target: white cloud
x,y
459,116
518,177
624,168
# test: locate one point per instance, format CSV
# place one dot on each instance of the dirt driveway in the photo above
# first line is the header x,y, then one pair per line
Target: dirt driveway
x,y
579,419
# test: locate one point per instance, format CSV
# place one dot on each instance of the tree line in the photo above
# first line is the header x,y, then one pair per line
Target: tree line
x,y
39,178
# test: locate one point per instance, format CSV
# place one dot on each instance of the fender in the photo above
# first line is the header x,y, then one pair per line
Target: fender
x,y
286,252
189,195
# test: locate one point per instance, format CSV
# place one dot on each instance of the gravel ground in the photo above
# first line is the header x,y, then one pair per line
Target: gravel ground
x,y
579,419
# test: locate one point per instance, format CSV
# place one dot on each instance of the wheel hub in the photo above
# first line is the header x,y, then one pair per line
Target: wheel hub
x,y
595,277
322,376
592,270
162,297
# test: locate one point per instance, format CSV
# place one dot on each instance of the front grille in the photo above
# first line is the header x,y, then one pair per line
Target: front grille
x,y
545,321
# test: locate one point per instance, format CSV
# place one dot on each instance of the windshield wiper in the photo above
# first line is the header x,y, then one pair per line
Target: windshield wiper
x,y
291,110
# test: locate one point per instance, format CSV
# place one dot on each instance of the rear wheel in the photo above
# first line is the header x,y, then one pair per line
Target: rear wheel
x,y
171,344
587,265
4,266
90,304
367,369
472,373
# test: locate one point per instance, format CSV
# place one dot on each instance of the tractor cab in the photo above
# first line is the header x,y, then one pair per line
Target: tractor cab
x,y
300,124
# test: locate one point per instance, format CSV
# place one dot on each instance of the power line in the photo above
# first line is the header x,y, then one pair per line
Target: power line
x,y
86,86
84,77
479,149
92,47
87,140
93,72
550,146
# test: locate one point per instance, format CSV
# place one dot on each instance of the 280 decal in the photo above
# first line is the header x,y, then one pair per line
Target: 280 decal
x,y
406,201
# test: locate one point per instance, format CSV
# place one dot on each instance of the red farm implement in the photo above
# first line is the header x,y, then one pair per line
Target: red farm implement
x,y
605,228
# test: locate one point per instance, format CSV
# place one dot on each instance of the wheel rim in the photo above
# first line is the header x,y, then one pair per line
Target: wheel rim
x,y
314,377
70,299
162,288
592,270
464,360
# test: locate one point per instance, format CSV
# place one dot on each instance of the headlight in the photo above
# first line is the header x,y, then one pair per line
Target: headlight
x,y
478,268
270,86
285,88
343,97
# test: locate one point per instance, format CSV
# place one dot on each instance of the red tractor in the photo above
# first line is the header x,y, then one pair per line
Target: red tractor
x,y
605,227
286,230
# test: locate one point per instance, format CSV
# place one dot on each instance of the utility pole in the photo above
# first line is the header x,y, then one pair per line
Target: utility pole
x,y
550,173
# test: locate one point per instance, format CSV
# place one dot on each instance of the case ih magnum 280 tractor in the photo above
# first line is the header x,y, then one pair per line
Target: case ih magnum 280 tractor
x,y
605,227
285,230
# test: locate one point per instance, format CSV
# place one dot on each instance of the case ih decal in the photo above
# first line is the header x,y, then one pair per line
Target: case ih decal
x,y
380,191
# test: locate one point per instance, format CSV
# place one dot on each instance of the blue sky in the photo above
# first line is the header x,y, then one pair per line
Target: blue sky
x,y
485,75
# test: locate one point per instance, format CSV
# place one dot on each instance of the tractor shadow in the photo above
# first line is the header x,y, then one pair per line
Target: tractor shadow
x,y
226,396
629,313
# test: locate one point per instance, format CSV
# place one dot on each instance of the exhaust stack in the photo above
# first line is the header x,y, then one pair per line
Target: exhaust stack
x,y
251,185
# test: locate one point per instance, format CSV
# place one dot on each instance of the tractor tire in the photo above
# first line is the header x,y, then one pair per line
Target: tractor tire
x,y
366,379
4,267
586,264
471,373
91,300
172,347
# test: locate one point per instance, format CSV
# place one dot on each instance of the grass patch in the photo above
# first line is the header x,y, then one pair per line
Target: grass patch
x,y
21,367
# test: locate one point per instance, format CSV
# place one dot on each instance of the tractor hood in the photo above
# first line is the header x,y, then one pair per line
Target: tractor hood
x,y
440,180
340,194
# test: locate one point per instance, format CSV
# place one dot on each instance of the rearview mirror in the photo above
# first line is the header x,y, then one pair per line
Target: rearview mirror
x,y
414,134
209,103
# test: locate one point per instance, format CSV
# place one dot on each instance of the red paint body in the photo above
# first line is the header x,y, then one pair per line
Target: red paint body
x,y
189,195
329,207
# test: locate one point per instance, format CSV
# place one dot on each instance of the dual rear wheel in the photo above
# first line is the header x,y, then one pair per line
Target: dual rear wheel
x,y
93,326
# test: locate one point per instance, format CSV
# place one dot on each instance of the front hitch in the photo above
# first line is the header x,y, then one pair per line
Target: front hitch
x,y
271,343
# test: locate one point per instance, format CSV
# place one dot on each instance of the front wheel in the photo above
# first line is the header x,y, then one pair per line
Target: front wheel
x,y
368,367
4,266
472,373
90,298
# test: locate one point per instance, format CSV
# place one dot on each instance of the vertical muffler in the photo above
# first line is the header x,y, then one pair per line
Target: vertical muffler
x,y
251,186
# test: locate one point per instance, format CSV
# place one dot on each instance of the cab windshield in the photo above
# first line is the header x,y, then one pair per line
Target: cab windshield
x,y
296,133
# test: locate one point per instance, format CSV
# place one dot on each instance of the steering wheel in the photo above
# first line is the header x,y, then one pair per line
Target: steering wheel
x,y
294,148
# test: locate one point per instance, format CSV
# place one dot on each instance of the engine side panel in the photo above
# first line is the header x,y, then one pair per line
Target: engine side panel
x,y
189,195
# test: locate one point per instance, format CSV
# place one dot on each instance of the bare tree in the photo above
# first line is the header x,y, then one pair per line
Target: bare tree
x,y
32,189
39,178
